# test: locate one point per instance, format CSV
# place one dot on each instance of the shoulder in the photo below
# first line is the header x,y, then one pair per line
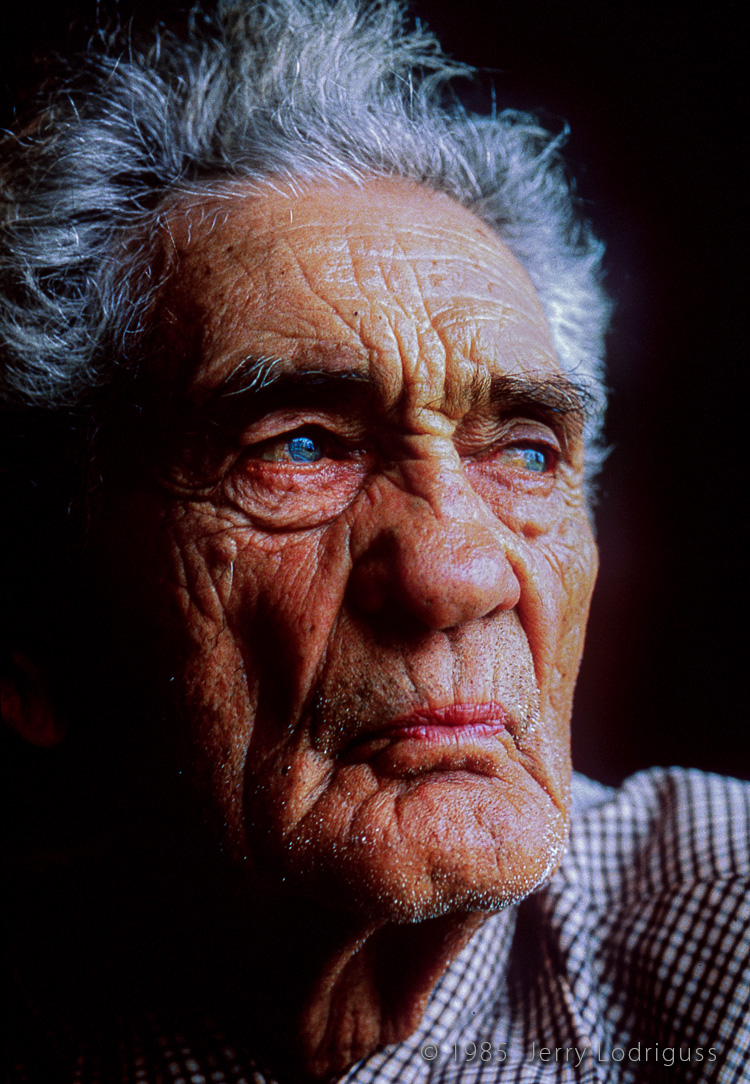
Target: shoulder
x,y
649,914
662,829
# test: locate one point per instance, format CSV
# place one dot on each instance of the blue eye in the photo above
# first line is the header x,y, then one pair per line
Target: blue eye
x,y
303,450
296,448
536,460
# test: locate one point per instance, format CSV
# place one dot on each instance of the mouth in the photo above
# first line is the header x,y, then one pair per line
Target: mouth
x,y
454,727
454,722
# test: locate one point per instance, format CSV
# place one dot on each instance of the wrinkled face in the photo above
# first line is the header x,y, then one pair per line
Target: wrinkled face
x,y
367,553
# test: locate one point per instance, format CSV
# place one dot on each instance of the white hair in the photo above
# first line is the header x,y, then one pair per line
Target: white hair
x,y
294,89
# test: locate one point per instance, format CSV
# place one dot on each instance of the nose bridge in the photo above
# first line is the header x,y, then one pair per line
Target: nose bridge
x,y
437,552
441,485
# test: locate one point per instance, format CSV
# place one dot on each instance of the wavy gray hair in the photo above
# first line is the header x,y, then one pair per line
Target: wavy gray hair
x,y
297,89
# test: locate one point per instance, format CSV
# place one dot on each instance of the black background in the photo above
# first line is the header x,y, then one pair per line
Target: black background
x,y
653,98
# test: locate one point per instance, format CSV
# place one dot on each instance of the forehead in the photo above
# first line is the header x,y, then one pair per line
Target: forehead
x,y
387,276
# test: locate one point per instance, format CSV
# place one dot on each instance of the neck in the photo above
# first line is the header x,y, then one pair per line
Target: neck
x,y
307,989
332,990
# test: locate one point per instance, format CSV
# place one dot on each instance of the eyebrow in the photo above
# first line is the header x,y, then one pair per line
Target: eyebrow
x,y
259,386
556,400
244,396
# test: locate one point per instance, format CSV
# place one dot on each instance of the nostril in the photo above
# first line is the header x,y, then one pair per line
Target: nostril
x,y
460,588
441,580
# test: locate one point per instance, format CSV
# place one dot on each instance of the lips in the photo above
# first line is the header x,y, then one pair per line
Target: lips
x,y
454,721
456,726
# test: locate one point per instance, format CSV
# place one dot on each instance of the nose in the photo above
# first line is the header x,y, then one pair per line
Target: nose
x,y
437,553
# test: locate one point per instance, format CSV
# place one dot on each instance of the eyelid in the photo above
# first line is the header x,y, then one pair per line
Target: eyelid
x,y
533,438
288,424
531,429
329,444
488,439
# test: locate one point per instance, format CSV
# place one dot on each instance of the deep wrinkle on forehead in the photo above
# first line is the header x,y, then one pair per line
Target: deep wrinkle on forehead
x,y
426,302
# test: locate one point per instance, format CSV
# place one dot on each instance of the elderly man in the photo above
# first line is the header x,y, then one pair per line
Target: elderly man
x,y
304,367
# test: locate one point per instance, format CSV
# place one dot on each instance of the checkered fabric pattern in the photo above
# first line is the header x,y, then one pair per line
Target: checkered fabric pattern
x,y
631,967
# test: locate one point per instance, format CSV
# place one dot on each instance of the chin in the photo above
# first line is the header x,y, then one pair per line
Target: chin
x,y
453,895
426,869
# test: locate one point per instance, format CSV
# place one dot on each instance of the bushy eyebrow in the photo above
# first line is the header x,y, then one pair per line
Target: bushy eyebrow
x,y
557,400
245,396
261,385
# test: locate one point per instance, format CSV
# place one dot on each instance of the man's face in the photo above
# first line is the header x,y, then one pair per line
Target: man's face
x,y
367,555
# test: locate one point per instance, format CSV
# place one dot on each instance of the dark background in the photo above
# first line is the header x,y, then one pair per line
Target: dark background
x,y
653,98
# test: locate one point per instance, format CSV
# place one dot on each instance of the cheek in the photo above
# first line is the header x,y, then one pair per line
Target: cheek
x,y
283,609
214,581
564,574
243,620
554,557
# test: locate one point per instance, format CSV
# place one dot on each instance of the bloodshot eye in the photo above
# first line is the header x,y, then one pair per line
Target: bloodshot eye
x,y
536,460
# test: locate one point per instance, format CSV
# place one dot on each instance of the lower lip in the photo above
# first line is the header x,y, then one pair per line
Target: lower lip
x,y
465,738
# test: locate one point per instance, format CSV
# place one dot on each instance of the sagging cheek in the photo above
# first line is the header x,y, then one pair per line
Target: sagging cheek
x,y
201,563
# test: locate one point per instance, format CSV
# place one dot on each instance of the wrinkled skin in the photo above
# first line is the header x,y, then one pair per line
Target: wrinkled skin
x,y
433,549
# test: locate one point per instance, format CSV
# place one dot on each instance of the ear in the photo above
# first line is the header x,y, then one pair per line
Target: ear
x,y
26,705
